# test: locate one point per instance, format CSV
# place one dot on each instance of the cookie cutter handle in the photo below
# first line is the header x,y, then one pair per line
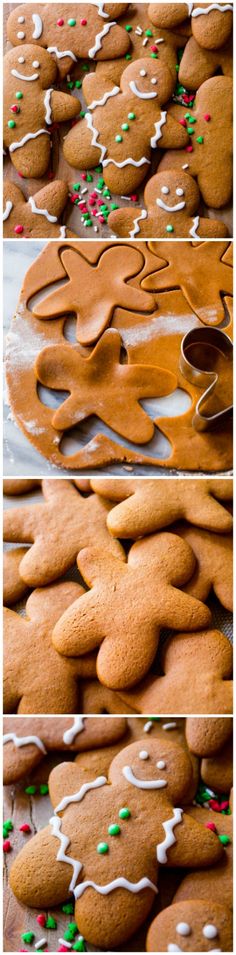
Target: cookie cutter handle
x,y
205,337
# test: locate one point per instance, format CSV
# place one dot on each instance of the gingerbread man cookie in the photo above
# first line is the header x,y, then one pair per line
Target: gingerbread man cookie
x,y
172,199
23,752
192,926
102,385
144,39
70,33
203,271
209,157
215,883
211,23
57,530
197,64
197,677
31,105
214,564
148,505
111,839
157,566
124,124
38,216
36,678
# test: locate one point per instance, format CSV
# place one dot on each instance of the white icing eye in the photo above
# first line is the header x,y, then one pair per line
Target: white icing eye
x,y
143,754
154,81
209,931
142,73
20,35
183,928
179,192
21,59
165,190
161,764
36,63
21,20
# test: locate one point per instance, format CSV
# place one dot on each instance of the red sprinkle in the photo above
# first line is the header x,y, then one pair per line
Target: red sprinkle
x,y
60,23
183,122
207,117
91,201
41,919
83,22
185,98
21,174
100,202
18,229
101,218
93,195
15,108
134,197
94,212
224,805
214,805
211,825
154,49
7,845
189,149
84,176
62,949
25,827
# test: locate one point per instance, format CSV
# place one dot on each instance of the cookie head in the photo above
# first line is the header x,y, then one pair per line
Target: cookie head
x,y
148,80
212,24
25,25
32,68
191,926
173,191
153,766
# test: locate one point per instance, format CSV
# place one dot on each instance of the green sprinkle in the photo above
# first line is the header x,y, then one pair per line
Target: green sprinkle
x,y
70,85
154,56
98,168
79,945
106,193
190,131
19,95
102,848
85,68
148,33
177,67
69,936
104,208
51,922
180,89
76,186
101,183
114,829
193,119
131,116
73,928
124,813
89,178
187,116
30,790
199,139
71,23
8,825
118,138
28,937
154,719
169,228
43,789
88,222
225,840
128,56
114,206
68,908
125,126
11,123
128,28
82,113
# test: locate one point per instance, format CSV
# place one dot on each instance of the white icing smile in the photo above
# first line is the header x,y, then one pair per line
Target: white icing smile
x,y
176,208
134,89
20,76
142,783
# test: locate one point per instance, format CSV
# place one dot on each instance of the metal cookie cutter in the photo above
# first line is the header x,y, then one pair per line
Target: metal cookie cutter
x,y
198,348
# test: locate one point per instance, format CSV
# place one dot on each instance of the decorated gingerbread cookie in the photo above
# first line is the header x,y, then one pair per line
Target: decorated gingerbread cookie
x,y
57,529
102,385
197,672
147,506
22,752
215,883
209,156
31,105
99,826
123,124
36,678
211,23
38,216
172,200
192,926
157,566
70,33
146,40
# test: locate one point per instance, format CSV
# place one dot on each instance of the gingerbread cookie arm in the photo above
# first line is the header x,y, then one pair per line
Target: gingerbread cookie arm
x,y
173,134
76,633
197,65
44,849
14,588
193,846
12,623
125,222
63,107
19,524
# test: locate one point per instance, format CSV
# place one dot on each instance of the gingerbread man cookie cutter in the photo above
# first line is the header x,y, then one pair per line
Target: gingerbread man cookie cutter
x,y
197,347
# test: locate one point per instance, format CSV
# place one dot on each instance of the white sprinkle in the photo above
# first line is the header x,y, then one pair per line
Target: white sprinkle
x,y
160,39
148,726
62,941
98,190
186,166
95,228
145,41
43,941
169,726
83,191
126,197
139,31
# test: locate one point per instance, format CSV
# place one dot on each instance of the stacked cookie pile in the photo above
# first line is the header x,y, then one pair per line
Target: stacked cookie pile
x,y
141,802
161,80
148,553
